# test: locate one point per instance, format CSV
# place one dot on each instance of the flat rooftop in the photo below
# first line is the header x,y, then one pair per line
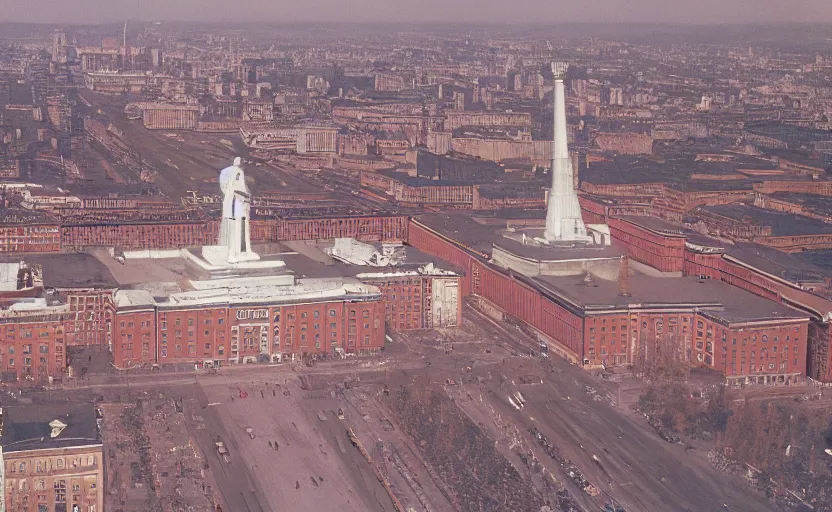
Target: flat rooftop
x,y
673,169
307,259
70,270
463,228
791,267
782,224
27,428
550,253
721,300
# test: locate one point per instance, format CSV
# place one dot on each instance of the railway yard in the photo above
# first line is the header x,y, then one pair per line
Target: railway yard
x,y
467,419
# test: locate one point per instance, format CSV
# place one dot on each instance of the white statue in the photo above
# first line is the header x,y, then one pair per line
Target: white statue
x,y
236,207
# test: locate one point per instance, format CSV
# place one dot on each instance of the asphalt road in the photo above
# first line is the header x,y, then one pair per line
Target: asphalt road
x,y
637,469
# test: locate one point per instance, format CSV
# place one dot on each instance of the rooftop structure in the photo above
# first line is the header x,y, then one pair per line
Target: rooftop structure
x,y
563,215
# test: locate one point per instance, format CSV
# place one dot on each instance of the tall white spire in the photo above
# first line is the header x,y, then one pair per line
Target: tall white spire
x,y
563,216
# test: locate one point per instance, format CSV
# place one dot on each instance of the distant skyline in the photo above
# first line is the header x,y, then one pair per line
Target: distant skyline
x,y
495,11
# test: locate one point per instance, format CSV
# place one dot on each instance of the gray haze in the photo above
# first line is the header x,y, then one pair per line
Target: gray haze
x,y
674,11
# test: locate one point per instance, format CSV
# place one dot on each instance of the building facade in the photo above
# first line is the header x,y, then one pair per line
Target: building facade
x,y
52,459
212,330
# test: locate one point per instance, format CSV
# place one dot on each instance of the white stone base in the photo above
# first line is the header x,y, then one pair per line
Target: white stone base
x,y
214,260
216,257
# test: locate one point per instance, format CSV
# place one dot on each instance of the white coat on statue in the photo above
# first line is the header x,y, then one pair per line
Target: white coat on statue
x,y
236,208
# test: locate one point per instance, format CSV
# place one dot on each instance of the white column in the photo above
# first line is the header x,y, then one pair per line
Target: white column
x,y
563,215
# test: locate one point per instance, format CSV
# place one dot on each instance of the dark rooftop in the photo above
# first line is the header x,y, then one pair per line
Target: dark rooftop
x,y
782,224
721,300
673,169
27,428
791,267
463,228
71,270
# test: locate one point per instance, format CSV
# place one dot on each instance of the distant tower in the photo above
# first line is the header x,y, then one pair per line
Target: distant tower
x,y
58,44
124,47
563,215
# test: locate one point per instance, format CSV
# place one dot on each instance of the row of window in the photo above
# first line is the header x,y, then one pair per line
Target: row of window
x,y
41,466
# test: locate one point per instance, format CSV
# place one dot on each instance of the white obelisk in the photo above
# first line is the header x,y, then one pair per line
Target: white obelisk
x,y
563,216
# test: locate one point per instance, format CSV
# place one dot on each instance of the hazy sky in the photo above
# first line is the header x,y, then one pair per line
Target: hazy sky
x,y
684,11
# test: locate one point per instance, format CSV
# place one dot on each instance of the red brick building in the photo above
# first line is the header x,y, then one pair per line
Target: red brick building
x,y
710,259
91,316
138,235
659,247
33,344
24,231
702,333
214,329
416,301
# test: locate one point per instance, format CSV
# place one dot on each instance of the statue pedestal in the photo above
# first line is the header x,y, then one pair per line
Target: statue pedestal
x,y
221,255
214,262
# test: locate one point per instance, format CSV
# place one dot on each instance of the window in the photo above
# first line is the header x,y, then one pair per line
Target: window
x,y
316,314
303,315
332,325
332,313
60,491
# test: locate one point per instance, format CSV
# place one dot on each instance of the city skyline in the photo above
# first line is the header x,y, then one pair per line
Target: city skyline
x,y
603,11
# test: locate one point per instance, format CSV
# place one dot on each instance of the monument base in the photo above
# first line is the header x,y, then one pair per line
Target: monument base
x,y
220,255
598,235
527,252
213,262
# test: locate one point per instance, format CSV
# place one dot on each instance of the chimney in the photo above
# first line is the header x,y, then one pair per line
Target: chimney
x,y
624,277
